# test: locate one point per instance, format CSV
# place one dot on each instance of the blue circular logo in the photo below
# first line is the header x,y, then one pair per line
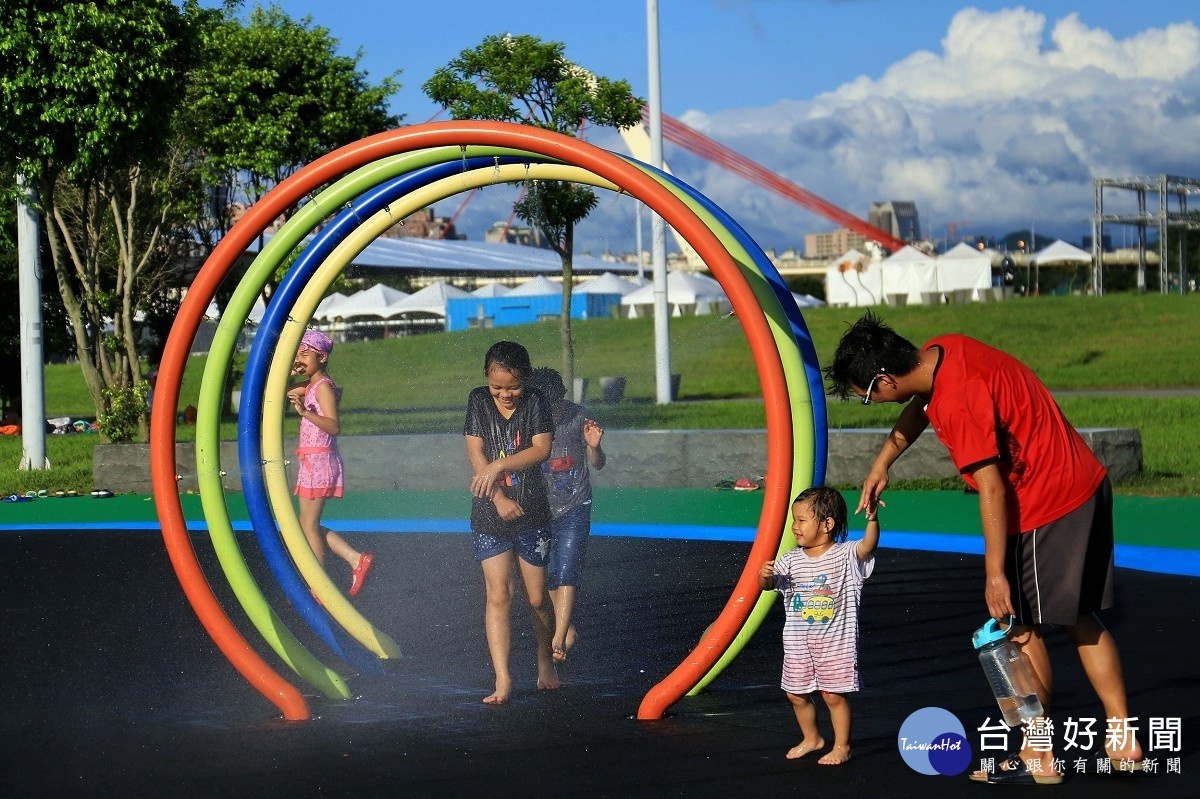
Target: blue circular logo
x,y
932,741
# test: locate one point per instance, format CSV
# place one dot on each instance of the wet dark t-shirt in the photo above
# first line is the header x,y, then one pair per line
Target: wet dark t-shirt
x,y
504,437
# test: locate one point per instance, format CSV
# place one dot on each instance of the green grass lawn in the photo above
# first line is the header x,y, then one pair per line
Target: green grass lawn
x,y
419,384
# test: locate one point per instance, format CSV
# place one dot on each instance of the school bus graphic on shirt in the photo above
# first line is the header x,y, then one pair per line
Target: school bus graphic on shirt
x,y
818,605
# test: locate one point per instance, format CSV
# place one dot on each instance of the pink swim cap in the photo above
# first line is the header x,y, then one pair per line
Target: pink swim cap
x,y
316,340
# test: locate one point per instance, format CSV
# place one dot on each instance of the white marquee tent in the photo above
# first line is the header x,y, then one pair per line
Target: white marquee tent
x,y
608,283
326,308
430,300
909,278
377,301
964,273
688,294
1059,253
539,286
853,280
491,290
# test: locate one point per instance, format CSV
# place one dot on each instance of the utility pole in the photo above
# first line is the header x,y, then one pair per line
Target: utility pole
x,y
662,312
29,290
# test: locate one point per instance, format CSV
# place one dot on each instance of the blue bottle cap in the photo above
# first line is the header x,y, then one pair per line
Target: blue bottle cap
x,y
989,633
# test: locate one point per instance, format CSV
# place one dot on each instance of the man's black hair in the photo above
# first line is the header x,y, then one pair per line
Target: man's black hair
x,y
867,349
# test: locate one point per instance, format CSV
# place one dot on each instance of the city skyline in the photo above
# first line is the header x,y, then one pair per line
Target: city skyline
x,y
989,116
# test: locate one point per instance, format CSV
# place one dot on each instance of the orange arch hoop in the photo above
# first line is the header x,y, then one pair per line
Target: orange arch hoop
x,y
549,145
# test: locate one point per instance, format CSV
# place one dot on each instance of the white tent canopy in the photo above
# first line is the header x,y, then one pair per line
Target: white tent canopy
x,y
539,286
964,273
909,278
430,300
608,283
1059,253
854,280
491,290
326,308
379,301
688,293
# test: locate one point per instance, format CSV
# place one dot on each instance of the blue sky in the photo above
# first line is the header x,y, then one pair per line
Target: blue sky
x,y
990,115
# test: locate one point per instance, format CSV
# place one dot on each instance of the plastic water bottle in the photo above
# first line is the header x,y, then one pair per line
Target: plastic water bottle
x,y
1006,673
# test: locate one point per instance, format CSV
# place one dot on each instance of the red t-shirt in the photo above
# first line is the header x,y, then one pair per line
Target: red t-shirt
x,y
988,406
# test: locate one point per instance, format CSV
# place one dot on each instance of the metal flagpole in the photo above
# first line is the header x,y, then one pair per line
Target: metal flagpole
x,y
662,314
29,290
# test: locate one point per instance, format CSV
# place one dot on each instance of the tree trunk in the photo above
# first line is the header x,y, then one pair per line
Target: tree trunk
x,y
64,268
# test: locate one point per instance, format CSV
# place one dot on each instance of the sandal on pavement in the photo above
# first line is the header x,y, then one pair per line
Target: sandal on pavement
x,y
1125,765
1013,771
359,577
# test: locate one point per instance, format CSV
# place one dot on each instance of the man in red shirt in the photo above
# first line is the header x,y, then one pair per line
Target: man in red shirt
x,y
1045,501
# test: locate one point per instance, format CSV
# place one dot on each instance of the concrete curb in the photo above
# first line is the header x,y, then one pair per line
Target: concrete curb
x,y
637,459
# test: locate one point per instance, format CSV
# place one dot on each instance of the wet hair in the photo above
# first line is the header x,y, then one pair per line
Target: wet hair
x,y
827,503
867,349
509,356
549,382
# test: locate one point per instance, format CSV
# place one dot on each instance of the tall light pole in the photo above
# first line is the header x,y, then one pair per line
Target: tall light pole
x,y
29,291
662,313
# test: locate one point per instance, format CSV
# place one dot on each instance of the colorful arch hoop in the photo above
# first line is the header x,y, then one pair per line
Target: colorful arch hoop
x,y
778,339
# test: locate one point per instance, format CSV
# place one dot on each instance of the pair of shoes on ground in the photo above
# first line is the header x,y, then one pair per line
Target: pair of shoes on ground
x,y
740,484
359,577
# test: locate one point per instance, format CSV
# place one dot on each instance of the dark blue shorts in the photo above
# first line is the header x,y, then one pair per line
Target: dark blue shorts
x,y
569,550
532,545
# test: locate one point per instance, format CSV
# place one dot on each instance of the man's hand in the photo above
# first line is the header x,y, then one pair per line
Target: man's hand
x,y
998,597
872,489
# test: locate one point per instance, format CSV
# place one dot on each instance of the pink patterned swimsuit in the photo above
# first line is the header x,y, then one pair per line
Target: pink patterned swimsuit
x,y
320,462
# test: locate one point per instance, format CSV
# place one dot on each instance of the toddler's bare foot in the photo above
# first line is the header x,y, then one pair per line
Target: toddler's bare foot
x,y
559,653
836,756
500,695
805,747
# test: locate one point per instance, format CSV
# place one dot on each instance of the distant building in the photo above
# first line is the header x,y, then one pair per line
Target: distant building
x,y
505,233
826,246
898,217
423,224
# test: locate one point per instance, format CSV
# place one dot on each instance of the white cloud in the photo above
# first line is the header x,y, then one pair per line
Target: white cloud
x,y
1003,128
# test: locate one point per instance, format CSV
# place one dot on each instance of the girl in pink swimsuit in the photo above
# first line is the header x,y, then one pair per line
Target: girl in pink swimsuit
x,y
316,401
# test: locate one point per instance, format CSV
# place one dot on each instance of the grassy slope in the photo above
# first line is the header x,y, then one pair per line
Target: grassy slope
x,y
418,383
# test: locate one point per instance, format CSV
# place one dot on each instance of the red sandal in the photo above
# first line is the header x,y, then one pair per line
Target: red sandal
x,y
359,577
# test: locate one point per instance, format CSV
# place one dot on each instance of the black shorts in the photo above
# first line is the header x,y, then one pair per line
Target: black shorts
x,y
1063,570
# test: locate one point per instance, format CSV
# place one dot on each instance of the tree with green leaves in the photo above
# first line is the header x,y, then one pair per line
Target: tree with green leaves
x,y
525,80
124,115
271,95
89,90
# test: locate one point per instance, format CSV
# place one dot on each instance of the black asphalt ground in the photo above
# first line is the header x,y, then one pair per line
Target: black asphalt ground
x,y
111,687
